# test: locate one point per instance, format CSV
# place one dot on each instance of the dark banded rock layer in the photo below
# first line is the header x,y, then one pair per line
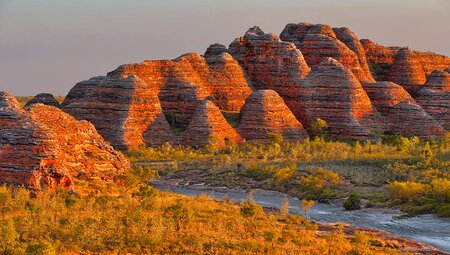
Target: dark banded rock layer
x,y
407,71
125,112
435,97
403,116
43,98
332,93
265,113
181,84
271,63
318,42
208,127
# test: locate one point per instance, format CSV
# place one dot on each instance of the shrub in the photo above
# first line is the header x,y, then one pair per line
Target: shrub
x,y
441,189
353,202
275,138
250,210
407,190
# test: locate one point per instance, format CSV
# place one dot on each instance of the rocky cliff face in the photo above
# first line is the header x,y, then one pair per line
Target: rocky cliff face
x,y
45,148
331,92
319,41
402,115
265,113
407,71
125,111
271,63
209,127
43,98
435,97
183,82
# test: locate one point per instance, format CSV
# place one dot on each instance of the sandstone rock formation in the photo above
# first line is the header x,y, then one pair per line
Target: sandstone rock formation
x,y
407,71
271,63
45,148
319,41
215,50
380,58
125,111
265,113
209,127
43,98
431,61
378,54
183,82
403,116
435,97
81,90
332,93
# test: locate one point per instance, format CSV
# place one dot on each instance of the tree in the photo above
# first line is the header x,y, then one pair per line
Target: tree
x,y
306,206
178,213
427,153
284,207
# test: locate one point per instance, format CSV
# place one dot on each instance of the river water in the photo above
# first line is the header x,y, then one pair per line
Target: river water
x,y
425,228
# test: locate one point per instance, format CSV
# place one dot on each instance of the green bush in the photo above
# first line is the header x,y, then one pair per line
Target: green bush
x,y
353,202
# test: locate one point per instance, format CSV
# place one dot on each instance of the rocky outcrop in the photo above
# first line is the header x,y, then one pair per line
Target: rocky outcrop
x,y
431,61
181,84
435,97
407,71
215,50
402,115
208,127
271,63
332,93
380,58
378,54
81,90
43,98
349,38
319,41
45,148
265,113
125,111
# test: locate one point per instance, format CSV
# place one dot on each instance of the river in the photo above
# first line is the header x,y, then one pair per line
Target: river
x,y
425,228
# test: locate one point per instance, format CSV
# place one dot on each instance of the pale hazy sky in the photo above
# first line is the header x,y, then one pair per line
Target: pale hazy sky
x,y
48,46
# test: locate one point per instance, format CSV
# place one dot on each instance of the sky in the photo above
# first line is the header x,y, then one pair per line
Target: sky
x,y
49,46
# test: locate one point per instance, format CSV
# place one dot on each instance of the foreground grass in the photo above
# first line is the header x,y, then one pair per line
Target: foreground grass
x,y
374,170
138,219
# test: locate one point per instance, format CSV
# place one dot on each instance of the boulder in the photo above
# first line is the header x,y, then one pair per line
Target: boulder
x,y
264,113
45,148
43,98
434,97
271,63
402,115
209,127
125,111
407,71
332,93
318,42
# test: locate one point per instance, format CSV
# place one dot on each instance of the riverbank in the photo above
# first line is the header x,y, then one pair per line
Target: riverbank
x,y
423,234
